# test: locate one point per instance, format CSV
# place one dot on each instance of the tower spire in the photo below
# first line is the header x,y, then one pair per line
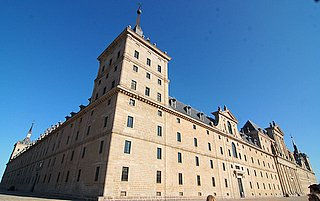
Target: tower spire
x,y
294,145
137,27
30,131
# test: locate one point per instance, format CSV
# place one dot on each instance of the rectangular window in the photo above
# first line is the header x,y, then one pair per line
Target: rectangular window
x,y
105,122
127,147
213,182
211,164
62,159
197,160
135,68
159,154
159,177
148,62
110,62
159,68
133,85
132,102
68,138
159,82
72,153
101,147
104,90
209,146
130,122
159,131
198,180
118,55
178,120
180,179
96,177
115,68
67,177
221,150
83,152
195,142
178,137
159,113
77,135
136,54
148,75
125,174
226,182
223,167
88,130
147,91
159,97
250,185
179,157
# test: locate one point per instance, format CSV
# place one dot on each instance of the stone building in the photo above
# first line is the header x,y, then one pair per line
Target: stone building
x,y
133,140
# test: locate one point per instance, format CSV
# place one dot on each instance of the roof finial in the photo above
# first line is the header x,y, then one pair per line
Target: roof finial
x,y
137,27
30,130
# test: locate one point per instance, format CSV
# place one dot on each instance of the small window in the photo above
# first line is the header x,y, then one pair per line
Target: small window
x,y
159,131
198,180
130,122
79,174
178,120
159,154
88,130
135,68
132,102
213,182
104,90
107,75
96,96
136,54
147,91
103,68
197,160
125,174
71,158
110,62
208,132
223,167
148,62
109,101
159,113
180,179
97,174
221,150
178,137
133,85
159,177
148,75
115,68
105,122
118,55
209,146
77,135
159,82
211,164
194,126
101,147
195,142
159,68
159,97
179,157
99,82
226,182
83,152
229,127
127,147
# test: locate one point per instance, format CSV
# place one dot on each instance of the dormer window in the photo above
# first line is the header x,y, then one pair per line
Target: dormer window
x,y
188,110
201,116
173,103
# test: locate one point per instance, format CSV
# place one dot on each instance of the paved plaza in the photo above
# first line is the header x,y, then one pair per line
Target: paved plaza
x,y
17,196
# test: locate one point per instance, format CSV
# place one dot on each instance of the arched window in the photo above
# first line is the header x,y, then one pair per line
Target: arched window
x,y
234,150
229,127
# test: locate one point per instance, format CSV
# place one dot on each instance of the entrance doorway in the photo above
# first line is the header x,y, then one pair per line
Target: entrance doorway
x,y
241,188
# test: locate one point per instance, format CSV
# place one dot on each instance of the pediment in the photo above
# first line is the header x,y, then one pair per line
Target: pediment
x,y
228,114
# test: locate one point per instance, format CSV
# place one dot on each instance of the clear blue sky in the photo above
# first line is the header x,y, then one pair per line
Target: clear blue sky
x,y
260,58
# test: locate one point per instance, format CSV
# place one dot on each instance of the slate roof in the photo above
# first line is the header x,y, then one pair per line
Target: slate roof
x,y
195,114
